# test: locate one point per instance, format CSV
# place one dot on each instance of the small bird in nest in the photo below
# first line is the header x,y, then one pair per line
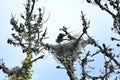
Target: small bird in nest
x,y
60,38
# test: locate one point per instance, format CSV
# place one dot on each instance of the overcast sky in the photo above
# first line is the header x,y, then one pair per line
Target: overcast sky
x,y
62,12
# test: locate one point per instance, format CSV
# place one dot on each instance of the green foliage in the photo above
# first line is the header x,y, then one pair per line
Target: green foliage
x,y
25,73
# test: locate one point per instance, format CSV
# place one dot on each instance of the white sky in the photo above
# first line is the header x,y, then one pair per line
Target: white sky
x,y
62,12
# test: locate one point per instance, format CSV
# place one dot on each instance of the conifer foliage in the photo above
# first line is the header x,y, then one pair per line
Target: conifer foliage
x,y
28,35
